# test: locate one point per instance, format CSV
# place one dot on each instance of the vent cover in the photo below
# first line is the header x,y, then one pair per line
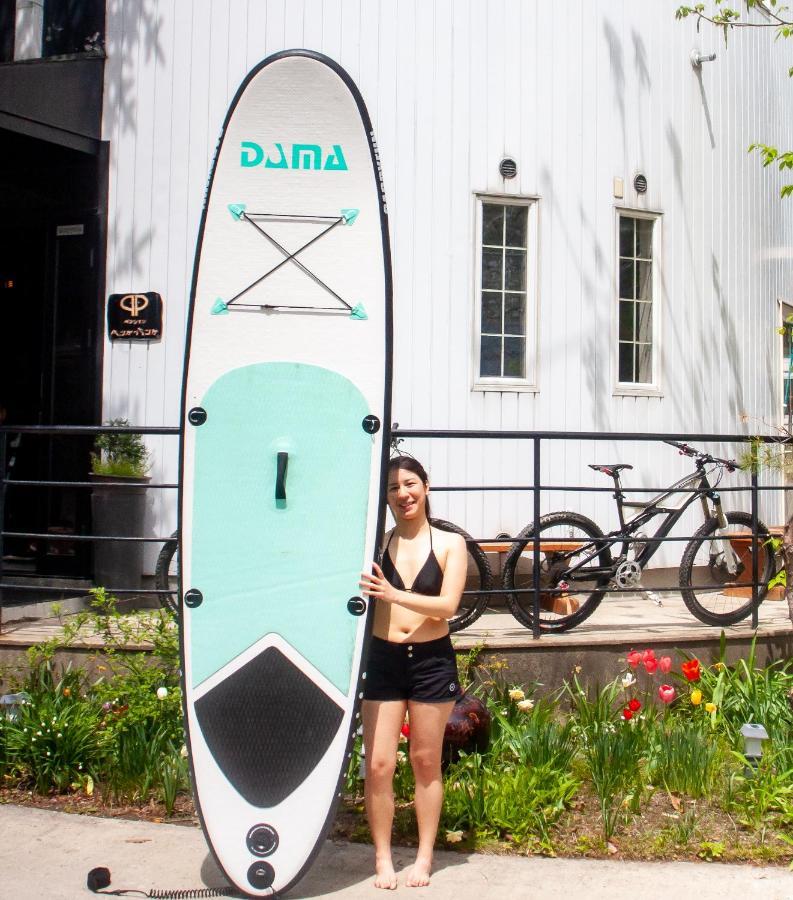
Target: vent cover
x,y
640,183
508,167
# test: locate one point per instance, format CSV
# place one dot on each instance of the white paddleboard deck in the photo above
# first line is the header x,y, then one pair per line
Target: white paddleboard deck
x,y
285,411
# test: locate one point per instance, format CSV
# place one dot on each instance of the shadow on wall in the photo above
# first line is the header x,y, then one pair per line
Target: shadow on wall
x,y
135,24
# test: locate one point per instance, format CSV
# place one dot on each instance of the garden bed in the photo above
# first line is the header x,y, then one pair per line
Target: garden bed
x,y
649,766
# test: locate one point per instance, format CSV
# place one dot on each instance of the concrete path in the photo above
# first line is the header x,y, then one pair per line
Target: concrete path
x,y
47,855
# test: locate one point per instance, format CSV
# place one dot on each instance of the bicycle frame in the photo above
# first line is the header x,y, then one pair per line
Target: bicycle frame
x,y
696,485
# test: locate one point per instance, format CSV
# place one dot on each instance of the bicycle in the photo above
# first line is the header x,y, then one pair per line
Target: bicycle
x,y
577,567
472,604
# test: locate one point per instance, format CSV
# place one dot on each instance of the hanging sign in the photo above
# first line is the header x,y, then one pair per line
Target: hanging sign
x,y
134,317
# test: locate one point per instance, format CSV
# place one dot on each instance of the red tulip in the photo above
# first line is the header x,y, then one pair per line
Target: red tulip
x,y
634,705
666,693
627,714
690,669
406,730
634,658
665,664
648,654
651,665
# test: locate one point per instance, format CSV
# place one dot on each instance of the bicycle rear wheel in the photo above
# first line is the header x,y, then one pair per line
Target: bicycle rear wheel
x,y
166,575
472,605
566,540
711,592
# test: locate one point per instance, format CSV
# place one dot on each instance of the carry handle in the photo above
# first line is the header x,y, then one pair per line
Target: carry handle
x,y
280,476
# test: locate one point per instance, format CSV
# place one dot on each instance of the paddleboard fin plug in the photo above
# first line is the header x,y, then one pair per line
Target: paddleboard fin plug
x,y
236,210
220,308
358,312
349,215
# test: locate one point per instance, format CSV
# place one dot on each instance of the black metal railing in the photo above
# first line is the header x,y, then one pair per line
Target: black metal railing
x,y
53,586
537,489
534,485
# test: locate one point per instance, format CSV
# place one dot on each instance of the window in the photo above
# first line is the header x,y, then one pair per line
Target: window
x,y
73,26
637,273
787,364
8,11
506,289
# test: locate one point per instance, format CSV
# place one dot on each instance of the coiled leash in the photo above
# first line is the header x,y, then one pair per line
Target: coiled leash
x,y
99,879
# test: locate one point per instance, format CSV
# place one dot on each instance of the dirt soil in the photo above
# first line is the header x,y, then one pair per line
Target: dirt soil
x,y
666,828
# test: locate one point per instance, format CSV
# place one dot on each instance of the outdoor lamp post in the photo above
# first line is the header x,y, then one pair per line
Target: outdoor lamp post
x,y
753,737
10,704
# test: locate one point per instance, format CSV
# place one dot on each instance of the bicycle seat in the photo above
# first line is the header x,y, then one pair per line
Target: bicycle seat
x,y
611,470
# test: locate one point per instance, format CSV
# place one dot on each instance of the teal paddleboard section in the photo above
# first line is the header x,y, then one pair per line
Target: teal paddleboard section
x,y
286,566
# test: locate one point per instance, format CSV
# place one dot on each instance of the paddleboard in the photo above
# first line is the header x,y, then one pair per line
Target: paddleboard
x,y
286,401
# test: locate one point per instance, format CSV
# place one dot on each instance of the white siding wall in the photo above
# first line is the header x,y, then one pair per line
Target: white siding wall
x,y
602,88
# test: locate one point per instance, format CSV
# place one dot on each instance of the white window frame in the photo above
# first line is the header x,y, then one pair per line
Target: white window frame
x,y
529,382
651,388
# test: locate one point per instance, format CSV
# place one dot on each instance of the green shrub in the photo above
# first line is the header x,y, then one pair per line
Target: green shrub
x,y
55,742
493,800
686,759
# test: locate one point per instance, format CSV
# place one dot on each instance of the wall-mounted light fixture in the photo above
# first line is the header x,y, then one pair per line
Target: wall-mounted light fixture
x,y
698,58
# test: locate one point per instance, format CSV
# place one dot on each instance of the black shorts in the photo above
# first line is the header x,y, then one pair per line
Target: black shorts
x,y
424,670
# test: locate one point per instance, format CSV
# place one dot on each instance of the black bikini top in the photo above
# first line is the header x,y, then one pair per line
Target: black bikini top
x,y
429,579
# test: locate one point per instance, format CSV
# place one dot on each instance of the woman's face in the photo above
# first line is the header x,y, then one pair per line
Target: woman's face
x,y
407,495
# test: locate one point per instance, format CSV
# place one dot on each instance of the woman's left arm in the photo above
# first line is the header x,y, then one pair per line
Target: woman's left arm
x,y
443,606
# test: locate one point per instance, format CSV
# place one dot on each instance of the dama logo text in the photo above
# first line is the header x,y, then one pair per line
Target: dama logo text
x,y
296,156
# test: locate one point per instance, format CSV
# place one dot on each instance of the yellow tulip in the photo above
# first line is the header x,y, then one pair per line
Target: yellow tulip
x,y
696,697
710,707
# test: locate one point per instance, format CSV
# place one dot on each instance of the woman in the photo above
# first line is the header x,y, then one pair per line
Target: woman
x,y
411,666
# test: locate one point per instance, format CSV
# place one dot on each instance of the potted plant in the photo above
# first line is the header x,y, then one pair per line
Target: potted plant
x,y
119,469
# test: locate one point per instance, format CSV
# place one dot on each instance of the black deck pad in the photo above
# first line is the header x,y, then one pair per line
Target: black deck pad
x,y
267,726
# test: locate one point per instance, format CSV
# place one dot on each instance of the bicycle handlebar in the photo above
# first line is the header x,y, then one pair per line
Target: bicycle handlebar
x,y
730,464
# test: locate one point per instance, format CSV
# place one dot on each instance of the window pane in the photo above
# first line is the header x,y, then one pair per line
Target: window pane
x,y
517,217
490,357
626,236
644,284
644,238
626,320
7,25
516,270
644,322
626,279
491,313
73,26
644,363
491,269
626,362
514,357
514,314
492,224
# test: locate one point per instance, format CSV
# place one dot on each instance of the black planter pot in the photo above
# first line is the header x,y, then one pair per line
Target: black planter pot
x,y
118,511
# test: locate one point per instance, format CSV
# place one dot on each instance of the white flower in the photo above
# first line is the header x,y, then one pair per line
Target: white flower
x,y
162,693
628,680
59,735
526,705
38,733
183,751
401,756
454,837
516,694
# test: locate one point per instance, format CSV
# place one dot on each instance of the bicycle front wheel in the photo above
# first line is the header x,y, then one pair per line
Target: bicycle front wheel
x,y
714,594
472,605
572,577
166,575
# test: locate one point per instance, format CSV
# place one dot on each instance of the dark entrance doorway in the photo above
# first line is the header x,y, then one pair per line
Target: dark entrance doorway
x,y
51,284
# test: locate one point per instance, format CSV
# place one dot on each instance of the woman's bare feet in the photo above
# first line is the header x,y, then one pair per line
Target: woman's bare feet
x,y
385,876
418,874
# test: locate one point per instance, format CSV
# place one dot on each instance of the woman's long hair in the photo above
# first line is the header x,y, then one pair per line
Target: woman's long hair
x,y
412,465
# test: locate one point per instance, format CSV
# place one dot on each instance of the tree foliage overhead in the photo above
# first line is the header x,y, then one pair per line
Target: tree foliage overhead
x,y
774,16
